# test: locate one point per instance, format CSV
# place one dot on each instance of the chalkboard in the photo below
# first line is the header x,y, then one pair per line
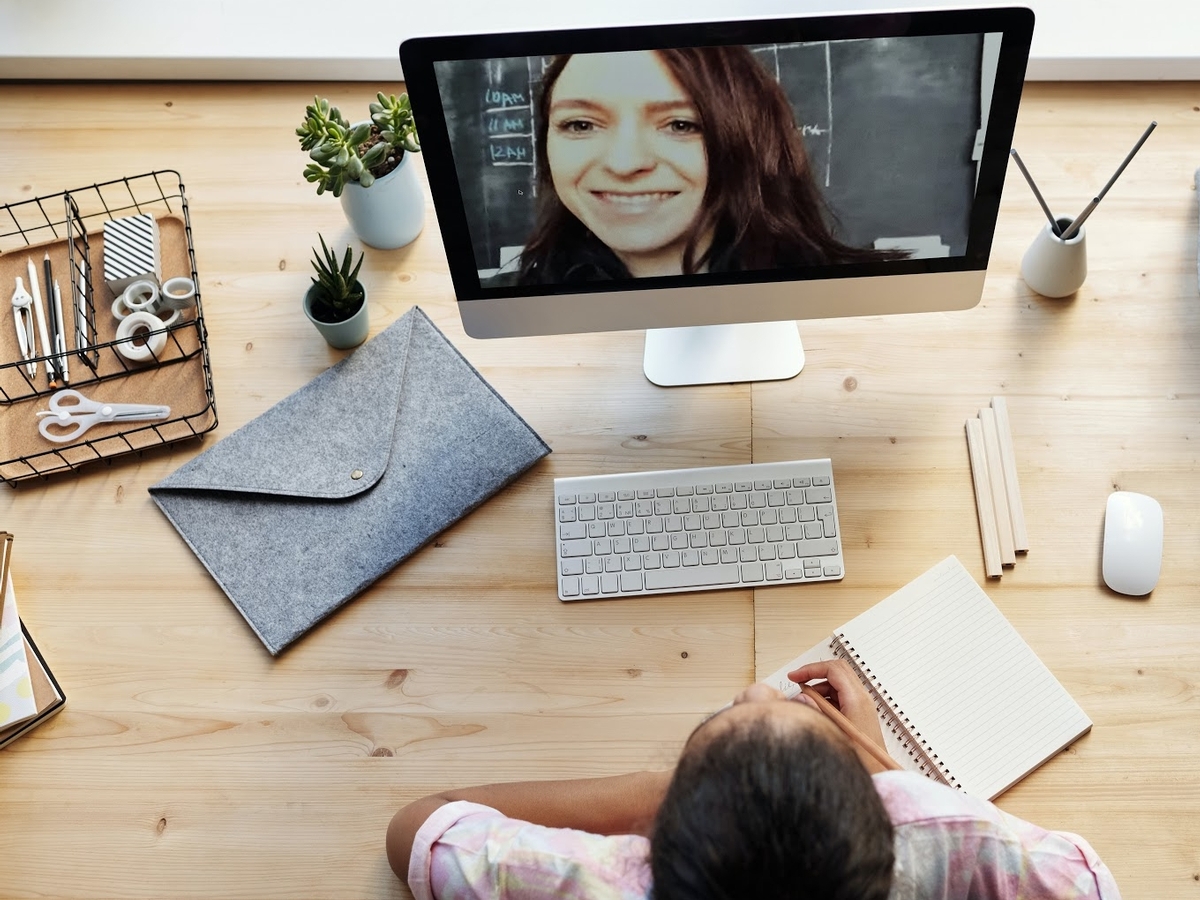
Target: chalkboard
x,y
891,127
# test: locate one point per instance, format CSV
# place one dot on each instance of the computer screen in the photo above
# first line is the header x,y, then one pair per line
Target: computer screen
x,y
684,176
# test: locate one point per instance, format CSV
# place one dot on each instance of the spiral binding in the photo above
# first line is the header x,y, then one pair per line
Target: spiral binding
x,y
914,745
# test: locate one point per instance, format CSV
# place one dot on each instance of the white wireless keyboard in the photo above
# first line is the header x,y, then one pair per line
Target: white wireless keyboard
x,y
696,529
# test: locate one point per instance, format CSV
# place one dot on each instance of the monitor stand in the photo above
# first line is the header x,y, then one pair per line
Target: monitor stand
x,y
722,354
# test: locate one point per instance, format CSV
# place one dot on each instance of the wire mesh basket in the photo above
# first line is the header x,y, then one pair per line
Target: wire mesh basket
x,y
169,365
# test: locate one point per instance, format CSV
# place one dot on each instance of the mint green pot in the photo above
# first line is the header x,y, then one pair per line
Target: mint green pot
x,y
341,335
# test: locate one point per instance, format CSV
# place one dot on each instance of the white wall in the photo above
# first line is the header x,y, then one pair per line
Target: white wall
x,y
307,39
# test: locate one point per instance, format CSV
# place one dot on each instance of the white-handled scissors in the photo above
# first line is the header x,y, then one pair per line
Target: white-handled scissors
x,y
80,414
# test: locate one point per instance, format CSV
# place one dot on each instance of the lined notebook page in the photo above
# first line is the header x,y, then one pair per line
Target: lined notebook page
x,y
970,686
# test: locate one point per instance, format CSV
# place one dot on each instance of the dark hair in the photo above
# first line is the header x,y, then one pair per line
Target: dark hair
x,y
763,209
765,812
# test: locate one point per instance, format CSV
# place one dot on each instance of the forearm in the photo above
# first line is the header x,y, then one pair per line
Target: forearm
x,y
620,804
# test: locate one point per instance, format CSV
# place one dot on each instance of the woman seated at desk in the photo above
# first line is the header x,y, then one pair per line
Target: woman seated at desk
x,y
769,799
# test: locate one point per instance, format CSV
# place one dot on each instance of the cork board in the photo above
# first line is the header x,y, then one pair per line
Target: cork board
x,y
178,379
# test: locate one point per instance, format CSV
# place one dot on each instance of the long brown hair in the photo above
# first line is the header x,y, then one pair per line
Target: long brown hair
x,y
761,203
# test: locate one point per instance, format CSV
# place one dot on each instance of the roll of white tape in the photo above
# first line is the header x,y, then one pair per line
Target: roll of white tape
x,y
170,320
119,309
137,323
141,296
178,293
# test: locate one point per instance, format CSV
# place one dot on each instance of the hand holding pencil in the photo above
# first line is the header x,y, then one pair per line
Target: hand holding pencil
x,y
846,702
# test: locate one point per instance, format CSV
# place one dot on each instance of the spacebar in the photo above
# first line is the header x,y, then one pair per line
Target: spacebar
x,y
691,576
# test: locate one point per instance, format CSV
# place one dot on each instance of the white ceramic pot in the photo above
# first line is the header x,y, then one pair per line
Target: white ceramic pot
x,y
345,334
1054,267
391,212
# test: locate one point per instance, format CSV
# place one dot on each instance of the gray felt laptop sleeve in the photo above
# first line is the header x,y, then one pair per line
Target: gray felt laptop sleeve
x,y
305,506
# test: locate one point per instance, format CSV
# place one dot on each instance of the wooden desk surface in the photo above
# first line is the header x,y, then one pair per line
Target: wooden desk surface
x,y
188,763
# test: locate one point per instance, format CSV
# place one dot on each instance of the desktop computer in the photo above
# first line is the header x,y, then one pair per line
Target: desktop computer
x,y
713,183
741,174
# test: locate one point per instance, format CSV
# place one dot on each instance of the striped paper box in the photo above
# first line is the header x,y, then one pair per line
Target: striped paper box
x,y
131,251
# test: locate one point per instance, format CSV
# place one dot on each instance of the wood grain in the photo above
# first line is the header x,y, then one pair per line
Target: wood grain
x,y
188,763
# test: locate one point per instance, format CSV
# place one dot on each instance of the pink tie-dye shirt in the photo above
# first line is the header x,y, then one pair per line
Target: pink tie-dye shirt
x,y
948,845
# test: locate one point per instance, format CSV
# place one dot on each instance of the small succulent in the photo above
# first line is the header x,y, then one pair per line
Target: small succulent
x,y
337,285
342,152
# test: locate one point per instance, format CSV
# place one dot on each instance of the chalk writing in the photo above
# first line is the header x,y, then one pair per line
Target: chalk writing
x,y
498,99
508,152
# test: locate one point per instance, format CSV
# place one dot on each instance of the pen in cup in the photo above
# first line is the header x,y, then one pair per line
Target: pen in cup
x,y
39,316
53,360
1040,199
1077,223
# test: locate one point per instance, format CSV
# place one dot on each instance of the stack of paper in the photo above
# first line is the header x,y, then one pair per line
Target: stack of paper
x,y
29,693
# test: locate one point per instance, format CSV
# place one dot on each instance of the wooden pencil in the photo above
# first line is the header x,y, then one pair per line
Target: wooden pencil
x,y
1012,487
983,499
991,450
851,730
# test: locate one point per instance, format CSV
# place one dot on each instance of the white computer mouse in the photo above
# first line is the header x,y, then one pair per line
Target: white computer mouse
x,y
1133,543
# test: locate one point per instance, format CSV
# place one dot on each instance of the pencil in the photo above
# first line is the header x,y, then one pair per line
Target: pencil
x,y
1078,221
851,730
1040,199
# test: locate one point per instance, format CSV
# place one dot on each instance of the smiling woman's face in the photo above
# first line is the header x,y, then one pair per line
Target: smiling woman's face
x,y
627,157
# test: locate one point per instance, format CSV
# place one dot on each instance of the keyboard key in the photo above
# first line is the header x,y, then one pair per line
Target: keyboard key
x,y
794,532
651,560
801,482
752,572
774,571
830,528
566,514
813,530
701,504
624,510
622,545
762,485
768,516
593,565
720,503
743,486
787,515
586,513
775,534
786,551
708,522
776,498
758,500
631,581
587,498
704,489
670,559
609,584
615,528
756,535
697,539
766,551
820,480
641,544
807,513
635,526
612,564
818,495
654,525
602,547
664,492
590,585
572,566
832,571
572,531
793,572
625,495
605,497
823,547
749,517
717,539
781,483
606,510
695,577
730,519
691,557
679,540
643,508
566,499
660,542
691,522
737,536
709,556
729,554
684,491
570,587
645,494
571,549
596,529
747,553
632,562
662,507
681,505
725,488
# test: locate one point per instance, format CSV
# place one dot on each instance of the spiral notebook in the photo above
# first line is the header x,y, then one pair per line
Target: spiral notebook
x,y
961,697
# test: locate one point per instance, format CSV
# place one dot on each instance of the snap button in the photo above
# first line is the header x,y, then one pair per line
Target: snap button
x,y
356,474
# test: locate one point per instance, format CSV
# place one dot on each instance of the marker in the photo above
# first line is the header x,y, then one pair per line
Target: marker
x,y
60,336
1041,200
1087,210
53,365
39,315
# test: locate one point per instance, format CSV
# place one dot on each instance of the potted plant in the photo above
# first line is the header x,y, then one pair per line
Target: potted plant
x,y
336,301
368,166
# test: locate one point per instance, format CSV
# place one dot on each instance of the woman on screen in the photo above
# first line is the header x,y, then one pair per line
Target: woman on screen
x,y
672,162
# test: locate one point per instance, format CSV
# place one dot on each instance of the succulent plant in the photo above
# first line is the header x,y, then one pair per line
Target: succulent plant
x,y
342,152
337,287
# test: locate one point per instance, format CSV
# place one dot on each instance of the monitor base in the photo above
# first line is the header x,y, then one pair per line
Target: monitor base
x,y
723,354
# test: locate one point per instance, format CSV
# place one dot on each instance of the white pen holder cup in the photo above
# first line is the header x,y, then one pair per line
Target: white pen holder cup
x,y
1054,267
